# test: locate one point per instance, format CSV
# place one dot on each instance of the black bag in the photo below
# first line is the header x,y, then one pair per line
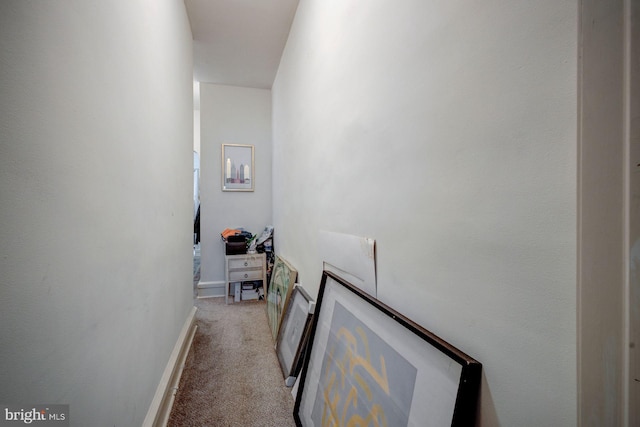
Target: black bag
x,y
235,248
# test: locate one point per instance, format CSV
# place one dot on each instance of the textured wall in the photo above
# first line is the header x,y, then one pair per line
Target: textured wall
x,y
447,132
96,137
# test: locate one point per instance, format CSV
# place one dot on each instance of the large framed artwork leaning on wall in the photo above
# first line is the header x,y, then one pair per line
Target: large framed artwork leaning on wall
x,y
367,364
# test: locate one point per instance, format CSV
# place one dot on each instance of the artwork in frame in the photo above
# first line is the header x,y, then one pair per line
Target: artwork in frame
x,y
293,333
238,167
368,365
283,277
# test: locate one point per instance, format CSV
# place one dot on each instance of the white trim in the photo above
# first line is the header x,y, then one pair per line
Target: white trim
x,y
160,408
579,197
211,289
626,98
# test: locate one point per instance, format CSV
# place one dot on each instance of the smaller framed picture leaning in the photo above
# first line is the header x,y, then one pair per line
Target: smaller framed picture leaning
x,y
367,364
283,278
238,167
294,333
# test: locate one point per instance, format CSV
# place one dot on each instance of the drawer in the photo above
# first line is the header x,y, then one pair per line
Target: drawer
x,y
245,263
238,276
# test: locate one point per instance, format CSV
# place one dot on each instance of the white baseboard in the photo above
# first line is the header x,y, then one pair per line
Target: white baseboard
x,y
160,408
210,289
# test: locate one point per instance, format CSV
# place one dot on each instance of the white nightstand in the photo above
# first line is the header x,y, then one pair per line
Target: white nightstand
x,y
245,267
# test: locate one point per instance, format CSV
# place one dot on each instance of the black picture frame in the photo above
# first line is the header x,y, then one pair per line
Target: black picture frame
x,y
446,381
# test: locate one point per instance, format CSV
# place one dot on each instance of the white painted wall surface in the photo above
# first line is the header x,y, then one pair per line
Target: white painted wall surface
x,y
601,216
633,127
96,141
447,132
196,131
232,115
633,123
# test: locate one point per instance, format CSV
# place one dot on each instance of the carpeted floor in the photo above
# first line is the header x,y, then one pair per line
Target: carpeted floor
x,y
231,375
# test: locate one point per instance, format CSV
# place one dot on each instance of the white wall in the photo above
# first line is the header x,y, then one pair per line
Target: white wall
x,y
601,217
96,141
447,132
196,116
633,309
196,131
231,115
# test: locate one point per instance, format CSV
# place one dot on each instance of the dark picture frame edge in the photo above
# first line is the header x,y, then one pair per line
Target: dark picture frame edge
x,y
299,353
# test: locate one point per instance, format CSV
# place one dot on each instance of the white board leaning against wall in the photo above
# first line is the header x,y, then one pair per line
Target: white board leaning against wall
x,y
350,257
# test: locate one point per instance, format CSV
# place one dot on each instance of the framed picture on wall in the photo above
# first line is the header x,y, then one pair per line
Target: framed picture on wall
x,y
238,167
367,364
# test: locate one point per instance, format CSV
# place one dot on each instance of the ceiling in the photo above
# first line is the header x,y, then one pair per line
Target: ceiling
x,y
239,42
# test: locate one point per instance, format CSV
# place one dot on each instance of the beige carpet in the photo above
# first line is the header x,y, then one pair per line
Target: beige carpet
x,y
231,375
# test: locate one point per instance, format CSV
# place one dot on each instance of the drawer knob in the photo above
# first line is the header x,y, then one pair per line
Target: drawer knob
x,y
246,275
246,263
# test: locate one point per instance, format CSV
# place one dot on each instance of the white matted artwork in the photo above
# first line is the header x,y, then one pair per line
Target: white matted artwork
x,y
238,167
368,365
293,333
350,257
